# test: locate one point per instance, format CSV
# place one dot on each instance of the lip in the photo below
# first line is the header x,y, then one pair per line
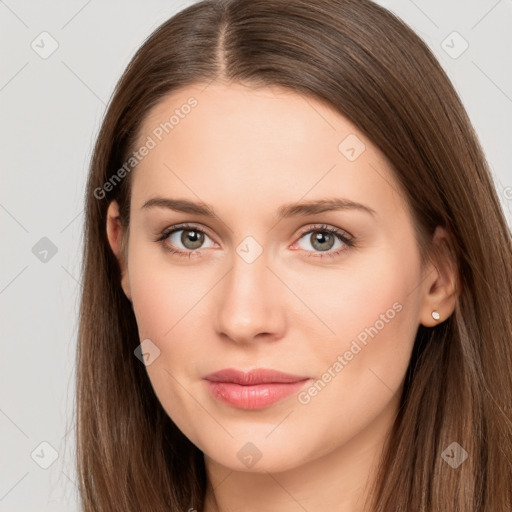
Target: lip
x,y
255,389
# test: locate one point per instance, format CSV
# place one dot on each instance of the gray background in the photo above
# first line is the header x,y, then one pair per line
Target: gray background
x,y
51,111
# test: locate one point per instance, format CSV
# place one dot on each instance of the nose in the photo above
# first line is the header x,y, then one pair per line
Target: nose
x,y
251,302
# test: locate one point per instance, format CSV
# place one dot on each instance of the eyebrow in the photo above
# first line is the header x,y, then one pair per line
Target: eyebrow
x,y
283,212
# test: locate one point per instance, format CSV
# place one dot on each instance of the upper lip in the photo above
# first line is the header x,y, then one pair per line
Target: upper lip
x,y
253,377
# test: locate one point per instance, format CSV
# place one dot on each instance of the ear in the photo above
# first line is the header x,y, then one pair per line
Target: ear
x,y
440,286
116,235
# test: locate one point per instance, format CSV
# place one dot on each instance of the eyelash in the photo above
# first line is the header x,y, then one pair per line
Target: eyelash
x,y
347,241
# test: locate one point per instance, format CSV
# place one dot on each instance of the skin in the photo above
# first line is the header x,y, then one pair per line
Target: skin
x,y
246,151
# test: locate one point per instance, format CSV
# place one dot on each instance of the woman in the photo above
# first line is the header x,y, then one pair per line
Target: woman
x,y
297,275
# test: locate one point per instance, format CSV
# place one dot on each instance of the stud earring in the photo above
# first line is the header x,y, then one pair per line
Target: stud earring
x,y
436,315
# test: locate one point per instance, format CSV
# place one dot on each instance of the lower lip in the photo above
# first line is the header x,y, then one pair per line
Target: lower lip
x,y
257,396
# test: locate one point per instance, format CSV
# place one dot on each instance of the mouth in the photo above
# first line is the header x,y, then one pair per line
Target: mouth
x,y
256,389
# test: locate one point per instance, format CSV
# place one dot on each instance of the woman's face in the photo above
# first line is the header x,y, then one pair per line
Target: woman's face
x,y
260,284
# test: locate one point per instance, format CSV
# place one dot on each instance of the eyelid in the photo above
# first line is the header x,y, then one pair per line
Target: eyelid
x,y
302,231
185,225
325,227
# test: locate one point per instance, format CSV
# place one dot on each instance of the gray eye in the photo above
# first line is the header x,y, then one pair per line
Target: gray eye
x,y
321,240
190,238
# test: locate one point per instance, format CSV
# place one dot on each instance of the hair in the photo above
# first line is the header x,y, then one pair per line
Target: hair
x,y
368,65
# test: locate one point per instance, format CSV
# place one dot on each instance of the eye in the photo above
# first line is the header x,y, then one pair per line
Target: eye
x,y
323,238
183,240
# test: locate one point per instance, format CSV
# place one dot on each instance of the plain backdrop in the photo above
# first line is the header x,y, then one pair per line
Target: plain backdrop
x,y
59,63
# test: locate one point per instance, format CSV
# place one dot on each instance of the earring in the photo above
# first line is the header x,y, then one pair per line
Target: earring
x,y
436,315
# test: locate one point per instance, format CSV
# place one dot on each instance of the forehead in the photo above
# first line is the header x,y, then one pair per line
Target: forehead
x,y
256,144
247,117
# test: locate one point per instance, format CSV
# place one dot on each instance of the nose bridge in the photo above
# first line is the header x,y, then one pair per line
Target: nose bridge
x,y
248,298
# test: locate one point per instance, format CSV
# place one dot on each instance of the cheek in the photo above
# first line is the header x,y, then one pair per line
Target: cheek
x,y
371,297
164,297
376,320
162,293
167,299
361,373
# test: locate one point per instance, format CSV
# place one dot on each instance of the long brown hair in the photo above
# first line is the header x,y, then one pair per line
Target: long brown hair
x,y
374,70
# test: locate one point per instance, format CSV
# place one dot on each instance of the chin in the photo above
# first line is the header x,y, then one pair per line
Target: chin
x,y
256,456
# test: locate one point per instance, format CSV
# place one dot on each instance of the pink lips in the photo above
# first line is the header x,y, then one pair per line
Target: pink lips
x,y
256,389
